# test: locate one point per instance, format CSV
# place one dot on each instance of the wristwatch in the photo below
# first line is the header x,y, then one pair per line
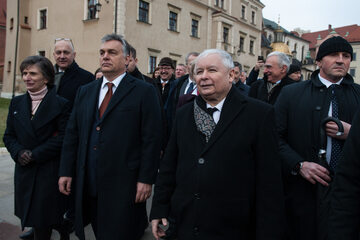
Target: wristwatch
x,y
297,168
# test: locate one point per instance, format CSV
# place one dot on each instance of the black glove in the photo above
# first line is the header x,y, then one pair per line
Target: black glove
x,y
25,157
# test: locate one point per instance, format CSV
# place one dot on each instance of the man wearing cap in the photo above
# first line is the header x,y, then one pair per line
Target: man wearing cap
x,y
167,68
300,109
294,72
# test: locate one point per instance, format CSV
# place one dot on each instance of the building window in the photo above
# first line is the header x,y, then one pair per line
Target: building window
x,y
354,56
91,13
9,66
217,3
11,23
241,46
194,28
43,19
243,9
41,53
225,35
302,53
152,64
352,72
251,46
143,11
295,47
270,38
252,17
173,21
26,20
222,3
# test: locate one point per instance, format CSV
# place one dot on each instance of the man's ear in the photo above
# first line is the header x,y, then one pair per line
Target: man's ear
x,y
231,75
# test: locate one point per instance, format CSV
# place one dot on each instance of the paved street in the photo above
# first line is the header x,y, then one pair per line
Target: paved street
x,y
9,224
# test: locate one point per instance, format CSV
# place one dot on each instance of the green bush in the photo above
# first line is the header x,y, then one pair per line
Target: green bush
x,y
4,108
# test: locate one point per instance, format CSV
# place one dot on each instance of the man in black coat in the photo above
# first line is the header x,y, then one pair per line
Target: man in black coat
x,y
345,210
244,89
301,109
166,77
69,76
221,176
112,148
275,78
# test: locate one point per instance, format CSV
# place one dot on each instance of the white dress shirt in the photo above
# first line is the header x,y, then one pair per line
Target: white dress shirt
x,y
104,87
327,83
219,106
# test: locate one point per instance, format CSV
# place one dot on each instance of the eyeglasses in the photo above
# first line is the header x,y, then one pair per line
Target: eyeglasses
x,y
165,68
65,39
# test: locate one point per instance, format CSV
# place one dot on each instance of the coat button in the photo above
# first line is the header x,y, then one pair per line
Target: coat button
x,y
95,147
196,230
321,90
97,128
317,108
197,196
201,161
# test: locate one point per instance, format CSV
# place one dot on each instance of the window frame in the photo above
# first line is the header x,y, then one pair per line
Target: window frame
x,y
144,10
42,19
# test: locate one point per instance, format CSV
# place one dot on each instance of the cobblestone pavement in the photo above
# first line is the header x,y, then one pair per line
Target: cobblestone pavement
x,y
9,223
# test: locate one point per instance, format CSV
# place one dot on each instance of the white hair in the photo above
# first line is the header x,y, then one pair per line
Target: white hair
x,y
224,56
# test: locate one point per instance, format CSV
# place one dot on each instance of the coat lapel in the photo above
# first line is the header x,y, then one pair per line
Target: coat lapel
x,y
23,114
125,86
228,114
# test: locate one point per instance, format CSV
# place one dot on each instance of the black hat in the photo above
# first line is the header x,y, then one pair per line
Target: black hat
x,y
294,68
334,44
166,61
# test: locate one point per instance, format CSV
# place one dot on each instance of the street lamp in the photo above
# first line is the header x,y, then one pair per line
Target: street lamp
x,y
98,7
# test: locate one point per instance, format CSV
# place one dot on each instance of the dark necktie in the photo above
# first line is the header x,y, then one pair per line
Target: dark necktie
x,y
335,144
191,87
106,100
211,111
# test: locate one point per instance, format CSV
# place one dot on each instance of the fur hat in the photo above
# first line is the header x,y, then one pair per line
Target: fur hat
x,y
294,68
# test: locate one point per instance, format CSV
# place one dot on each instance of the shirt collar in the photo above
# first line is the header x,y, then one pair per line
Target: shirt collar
x,y
116,81
219,106
327,83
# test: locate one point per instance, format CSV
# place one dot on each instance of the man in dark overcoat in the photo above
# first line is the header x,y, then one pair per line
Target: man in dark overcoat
x,y
220,178
112,147
69,75
275,78
301,108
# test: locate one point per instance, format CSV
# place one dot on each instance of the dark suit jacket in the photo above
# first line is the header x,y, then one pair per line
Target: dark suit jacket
x,y
345,209
38,201
73,78
129,150
230,187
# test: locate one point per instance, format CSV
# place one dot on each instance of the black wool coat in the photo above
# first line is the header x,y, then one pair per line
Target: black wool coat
x,y
230,187
128,150
300,109
74,77
345,209
38,202
259,90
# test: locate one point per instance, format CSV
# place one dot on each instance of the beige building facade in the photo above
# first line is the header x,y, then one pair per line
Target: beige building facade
x,y
156,28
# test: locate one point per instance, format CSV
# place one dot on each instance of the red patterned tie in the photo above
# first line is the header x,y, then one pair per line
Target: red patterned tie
x,y
106,100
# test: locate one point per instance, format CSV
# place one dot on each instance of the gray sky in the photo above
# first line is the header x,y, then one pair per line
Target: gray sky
x,y
314,15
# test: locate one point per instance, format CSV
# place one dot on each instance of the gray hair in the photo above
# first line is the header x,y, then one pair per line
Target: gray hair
x,y
116,37
283,59
225,57
190,54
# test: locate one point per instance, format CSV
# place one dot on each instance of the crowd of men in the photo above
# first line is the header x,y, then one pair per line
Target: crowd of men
x,y
229,156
